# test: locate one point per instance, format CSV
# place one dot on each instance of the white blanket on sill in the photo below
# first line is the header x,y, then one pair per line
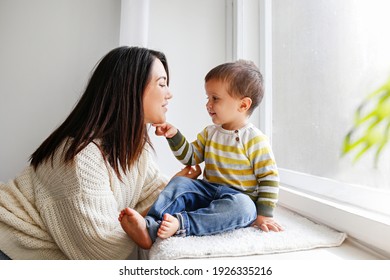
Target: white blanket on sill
x,y
300,234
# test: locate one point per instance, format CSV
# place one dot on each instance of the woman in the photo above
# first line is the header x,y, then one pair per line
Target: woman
x,y
98,161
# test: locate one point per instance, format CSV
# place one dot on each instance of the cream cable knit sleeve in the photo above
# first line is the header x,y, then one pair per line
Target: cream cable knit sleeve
x,y
79,205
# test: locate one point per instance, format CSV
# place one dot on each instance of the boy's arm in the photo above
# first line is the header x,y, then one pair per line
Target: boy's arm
x,y
267,175
187,153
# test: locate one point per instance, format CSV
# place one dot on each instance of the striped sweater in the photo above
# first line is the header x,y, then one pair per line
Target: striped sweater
x,y
241,159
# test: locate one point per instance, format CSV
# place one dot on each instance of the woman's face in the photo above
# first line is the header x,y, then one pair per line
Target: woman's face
x,y
156,95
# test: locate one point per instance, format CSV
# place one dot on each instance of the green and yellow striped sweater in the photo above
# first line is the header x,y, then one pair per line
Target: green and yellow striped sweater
x,y
241,159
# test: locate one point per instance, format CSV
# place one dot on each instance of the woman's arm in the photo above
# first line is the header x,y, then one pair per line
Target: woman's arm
x,y
191,172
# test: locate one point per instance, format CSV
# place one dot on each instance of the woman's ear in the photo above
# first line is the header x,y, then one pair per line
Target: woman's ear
x,y
246,103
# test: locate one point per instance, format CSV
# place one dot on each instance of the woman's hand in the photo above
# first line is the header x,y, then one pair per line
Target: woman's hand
x,y
165,129
266,224
191,172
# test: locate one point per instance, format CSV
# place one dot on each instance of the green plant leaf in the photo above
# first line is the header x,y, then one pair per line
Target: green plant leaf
x,y
371,127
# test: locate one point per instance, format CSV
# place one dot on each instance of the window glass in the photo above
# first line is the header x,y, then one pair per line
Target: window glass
x,y
328,56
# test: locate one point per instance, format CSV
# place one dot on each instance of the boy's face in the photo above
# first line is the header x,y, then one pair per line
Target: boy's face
x,y
224,109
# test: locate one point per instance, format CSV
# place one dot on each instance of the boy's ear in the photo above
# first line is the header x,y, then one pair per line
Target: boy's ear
x,y
246,103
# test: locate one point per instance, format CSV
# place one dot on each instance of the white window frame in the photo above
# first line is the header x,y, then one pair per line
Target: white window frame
x,y
134,23
234,29
315,197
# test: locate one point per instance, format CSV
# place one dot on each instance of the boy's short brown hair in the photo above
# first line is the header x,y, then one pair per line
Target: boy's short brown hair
x,y
244,80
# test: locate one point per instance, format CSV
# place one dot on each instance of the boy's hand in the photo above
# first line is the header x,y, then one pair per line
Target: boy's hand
x,y
165,129
266,224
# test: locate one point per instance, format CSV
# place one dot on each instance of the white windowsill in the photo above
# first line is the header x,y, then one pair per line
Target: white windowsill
x,y
349,250
367,236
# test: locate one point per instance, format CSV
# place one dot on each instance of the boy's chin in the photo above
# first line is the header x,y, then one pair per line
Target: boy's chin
x,y
215,121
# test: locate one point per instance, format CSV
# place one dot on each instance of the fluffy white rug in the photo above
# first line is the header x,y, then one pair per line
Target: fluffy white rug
x,y
300,234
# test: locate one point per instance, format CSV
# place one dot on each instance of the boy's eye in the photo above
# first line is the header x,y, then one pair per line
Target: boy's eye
x,y
213,98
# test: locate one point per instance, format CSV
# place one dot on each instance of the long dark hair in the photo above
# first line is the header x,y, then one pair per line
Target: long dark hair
x,y
110,110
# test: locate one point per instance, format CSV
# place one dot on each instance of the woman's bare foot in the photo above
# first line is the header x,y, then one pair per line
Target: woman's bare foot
x,y
168,227
134,225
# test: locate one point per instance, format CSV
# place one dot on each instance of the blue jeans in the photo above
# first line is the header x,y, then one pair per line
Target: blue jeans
x,y
3,256
202,208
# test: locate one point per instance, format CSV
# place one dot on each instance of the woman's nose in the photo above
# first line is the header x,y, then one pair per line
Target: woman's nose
x,y
169,94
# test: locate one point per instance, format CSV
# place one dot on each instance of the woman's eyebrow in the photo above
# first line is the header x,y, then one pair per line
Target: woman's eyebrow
x,y
161,77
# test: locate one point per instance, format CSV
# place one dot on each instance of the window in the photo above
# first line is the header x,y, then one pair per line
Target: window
x,y
327,56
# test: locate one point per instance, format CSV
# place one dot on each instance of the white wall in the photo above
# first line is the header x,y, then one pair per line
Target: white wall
x,y
192,35
47,50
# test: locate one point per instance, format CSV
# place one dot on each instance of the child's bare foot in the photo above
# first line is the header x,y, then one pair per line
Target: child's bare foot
x,y
168,227
135,226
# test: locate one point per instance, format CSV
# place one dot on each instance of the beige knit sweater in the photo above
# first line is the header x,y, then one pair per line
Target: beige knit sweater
x,y
71,211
